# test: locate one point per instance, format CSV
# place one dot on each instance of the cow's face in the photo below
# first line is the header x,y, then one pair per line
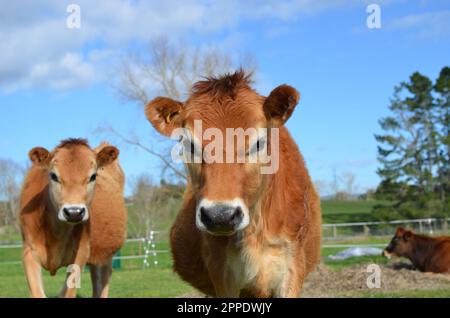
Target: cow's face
x,y
400,244
227,181
72,174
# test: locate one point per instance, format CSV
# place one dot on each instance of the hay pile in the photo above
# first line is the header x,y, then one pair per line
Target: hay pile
x,y
351,281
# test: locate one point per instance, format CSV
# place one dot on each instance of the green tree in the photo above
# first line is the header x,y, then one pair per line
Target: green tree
x,y
413,150
442,87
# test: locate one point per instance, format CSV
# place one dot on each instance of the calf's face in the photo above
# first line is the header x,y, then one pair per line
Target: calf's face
x,y
225,175
72,174
400,244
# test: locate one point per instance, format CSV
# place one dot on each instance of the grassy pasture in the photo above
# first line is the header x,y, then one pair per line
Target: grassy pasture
x,y
133,280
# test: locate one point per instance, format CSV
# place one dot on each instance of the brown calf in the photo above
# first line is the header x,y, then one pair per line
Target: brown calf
x,y
427,254
72,212
241,232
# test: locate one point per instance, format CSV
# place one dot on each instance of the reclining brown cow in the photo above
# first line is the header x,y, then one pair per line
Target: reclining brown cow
x,y
72,212
427,254
241,232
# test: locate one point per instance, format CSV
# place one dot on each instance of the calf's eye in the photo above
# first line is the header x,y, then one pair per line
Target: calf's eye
x,y
54,177
93,178
258,146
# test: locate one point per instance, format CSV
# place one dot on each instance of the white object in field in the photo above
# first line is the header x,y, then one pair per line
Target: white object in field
x,y
356,251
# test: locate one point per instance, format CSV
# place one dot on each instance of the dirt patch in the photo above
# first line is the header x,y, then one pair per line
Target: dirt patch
x,y
352,280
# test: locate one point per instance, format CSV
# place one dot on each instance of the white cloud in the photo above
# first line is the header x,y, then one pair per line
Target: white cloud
x,y
425,25
38,50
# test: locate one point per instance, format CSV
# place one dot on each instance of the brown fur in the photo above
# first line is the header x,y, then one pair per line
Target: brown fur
x,y
428,254
52,244
281,245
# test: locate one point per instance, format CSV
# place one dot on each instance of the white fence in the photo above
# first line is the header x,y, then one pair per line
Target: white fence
x,y
146,247
430,226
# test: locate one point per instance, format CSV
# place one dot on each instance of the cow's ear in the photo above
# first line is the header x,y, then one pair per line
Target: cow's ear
x,y
407,235
107,155
400,231
39,156
164,114
280,104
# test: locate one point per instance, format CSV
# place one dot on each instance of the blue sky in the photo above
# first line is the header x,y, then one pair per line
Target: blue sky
x,y
56,82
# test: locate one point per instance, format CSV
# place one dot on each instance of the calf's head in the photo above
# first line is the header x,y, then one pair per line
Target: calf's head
x,y
400,244
229,133
72,174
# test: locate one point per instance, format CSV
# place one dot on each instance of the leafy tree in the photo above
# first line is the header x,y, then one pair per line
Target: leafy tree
x,y
414,149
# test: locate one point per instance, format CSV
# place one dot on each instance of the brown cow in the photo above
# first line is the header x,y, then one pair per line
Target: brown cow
x,y
72,212
242,232
427,254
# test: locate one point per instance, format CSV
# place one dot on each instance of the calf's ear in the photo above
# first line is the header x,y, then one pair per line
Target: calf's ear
x,y
39,156
107,155
164,114
280,104
400,230
407,235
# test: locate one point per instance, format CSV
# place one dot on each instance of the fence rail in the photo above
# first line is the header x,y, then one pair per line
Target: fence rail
x,y
430,226
146,246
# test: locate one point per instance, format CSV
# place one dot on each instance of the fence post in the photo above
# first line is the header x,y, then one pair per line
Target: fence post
x,y
366,230
420,227
445,225
335,231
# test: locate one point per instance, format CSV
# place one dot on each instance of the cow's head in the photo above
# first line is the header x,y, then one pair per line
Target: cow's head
x,y
400,244
226,191
72,173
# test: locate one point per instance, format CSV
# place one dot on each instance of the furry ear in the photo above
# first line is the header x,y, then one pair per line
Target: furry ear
x,y
39,156
280,104
400,231
107,155
164,114
407,235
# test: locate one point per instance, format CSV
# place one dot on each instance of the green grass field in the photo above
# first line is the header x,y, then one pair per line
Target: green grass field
x,y
133,280
346,211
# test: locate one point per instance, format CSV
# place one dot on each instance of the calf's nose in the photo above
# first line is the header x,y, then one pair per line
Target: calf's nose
x,y
221,218
74,213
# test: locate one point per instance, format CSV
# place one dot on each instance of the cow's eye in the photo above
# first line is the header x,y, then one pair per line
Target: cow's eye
x,y
258,146
192,147
93,178
54,177
189,146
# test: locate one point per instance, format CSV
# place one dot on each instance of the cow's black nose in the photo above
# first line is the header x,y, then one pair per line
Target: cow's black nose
x,y
74,213
221,218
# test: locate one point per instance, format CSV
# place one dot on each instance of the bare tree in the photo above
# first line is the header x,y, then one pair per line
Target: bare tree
x,y
169,70
335,183
11,175
321,186
152,205
348,179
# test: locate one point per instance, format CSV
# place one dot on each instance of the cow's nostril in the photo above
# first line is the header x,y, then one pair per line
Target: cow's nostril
x,y
237,214
205,216
82,210
66,212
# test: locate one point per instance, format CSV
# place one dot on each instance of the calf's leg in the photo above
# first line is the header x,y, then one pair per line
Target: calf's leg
x,y
33,272
100,276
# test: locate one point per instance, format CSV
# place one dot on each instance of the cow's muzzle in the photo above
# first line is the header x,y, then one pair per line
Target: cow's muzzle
x,y
73,213
221,218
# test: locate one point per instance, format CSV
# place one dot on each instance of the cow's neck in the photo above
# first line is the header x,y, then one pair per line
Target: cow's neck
x,y
422,248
